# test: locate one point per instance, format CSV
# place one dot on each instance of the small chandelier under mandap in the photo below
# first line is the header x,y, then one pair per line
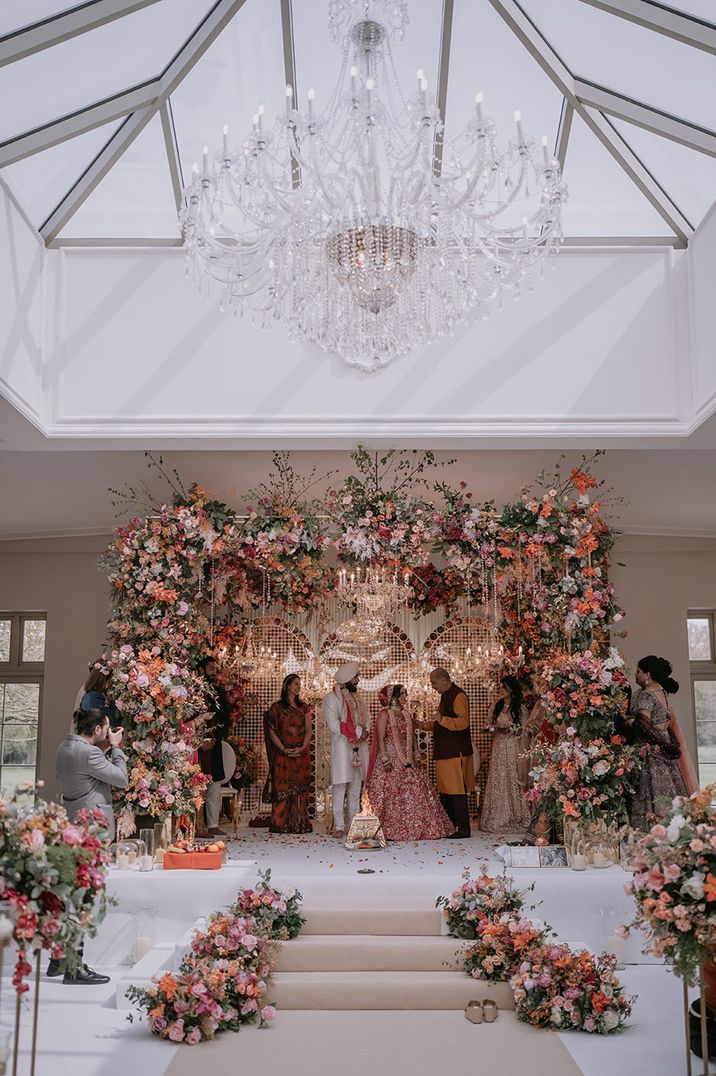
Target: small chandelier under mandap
x,y
376,594
365,229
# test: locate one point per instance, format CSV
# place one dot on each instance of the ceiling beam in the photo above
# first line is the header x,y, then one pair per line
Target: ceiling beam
x,y
218,18
172,151
66,24
76,123
641,115
443,79
564,131
663,20
289,73
588,241
557,71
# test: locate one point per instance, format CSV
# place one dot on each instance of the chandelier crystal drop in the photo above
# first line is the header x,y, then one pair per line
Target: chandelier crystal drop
x,y
364,228
377,595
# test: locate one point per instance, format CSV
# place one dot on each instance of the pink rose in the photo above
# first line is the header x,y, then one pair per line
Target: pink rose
x,y
193,1037
72,835
672,872
249,941
659,832
158,1024
268,1012
176,1031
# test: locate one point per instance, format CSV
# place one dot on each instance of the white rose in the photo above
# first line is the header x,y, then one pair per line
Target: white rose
x,y
675,826
611,1020
694,886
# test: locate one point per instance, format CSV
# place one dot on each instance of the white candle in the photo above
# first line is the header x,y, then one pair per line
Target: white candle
x,y
142,946
615,947
131,855
123,861
579,862
146,863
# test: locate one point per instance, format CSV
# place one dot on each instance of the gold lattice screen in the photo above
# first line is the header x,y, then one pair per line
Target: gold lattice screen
x,y
386,659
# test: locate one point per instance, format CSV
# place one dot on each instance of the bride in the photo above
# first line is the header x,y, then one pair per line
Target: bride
x,y
399,792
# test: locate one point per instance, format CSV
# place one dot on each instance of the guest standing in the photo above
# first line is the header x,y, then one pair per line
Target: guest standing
x,y
505,809
95,693
400,793
348,724
655,730
287,732
211,757
89,764
452,750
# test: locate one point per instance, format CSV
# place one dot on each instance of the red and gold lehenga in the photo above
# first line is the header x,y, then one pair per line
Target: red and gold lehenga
x,y
289,780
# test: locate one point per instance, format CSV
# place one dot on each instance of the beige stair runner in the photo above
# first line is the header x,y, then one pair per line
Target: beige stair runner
x,y
387,954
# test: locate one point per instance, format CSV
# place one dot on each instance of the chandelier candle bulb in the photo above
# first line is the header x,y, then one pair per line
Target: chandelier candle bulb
x,y
289,101
311,99
225,139
479,98
545,155
518,123
205,159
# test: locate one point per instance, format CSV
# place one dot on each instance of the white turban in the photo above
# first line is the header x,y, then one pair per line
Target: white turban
x,y
346,672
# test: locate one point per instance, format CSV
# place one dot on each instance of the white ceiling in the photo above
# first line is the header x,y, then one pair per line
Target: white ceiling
x,y
245,65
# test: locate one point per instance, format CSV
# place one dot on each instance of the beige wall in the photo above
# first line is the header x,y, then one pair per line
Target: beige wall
x,y
661,579
59,577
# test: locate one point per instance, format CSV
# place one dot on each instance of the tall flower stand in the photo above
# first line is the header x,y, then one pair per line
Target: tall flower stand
x,y
707,990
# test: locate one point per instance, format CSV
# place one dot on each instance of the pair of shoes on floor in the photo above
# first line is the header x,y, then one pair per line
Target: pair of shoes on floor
x,y
338,834
459,835
84,976
477,1011
216,832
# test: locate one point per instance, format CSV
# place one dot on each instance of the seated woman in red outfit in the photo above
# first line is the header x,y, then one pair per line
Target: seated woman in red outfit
x,y
287,732
400,793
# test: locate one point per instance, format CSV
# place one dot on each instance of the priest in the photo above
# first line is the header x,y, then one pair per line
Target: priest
x,y
452,750
348,724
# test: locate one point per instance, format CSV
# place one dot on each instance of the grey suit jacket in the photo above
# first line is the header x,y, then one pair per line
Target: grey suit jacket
x,y
86,776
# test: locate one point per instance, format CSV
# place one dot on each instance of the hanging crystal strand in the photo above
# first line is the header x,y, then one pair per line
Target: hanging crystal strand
x,y
494,590
213,606
519,580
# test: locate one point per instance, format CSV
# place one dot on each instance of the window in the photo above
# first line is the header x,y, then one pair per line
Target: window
x,y
22,663
702,659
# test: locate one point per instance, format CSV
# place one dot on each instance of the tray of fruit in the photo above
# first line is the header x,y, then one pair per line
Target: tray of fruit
x,y
197,857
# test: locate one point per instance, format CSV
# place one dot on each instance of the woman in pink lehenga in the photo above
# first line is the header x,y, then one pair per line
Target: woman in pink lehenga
x,y
400,793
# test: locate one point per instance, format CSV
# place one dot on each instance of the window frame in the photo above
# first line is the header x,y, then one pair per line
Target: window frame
x,y
703,614
701,669
17,671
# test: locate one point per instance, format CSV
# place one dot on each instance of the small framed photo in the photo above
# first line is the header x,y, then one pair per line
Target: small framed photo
x,y
525,856
552,855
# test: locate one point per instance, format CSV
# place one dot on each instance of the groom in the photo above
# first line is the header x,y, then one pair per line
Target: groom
x,y
347,722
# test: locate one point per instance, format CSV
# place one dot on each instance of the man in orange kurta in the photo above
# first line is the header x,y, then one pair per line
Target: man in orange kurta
x,y
452,751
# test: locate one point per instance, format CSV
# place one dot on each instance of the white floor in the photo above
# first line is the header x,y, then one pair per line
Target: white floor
x,y
83,1035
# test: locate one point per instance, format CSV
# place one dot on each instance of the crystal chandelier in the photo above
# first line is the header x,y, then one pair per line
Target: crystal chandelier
x,y
316,680
377,595
365,229
361,631
483,662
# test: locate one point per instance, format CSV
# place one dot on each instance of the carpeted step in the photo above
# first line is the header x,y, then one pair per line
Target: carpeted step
x,y
387,917
369,952
347,990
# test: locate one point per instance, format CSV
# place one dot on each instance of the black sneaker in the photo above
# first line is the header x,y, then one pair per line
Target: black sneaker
x,y
459,835
85,976
54,969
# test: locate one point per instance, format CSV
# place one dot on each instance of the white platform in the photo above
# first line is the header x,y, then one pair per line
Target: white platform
x,y
83,1033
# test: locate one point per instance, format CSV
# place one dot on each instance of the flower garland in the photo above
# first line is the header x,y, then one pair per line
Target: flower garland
x,y
222,982
53,874
478,899
553,986
587,770
674,885
557,988
277,914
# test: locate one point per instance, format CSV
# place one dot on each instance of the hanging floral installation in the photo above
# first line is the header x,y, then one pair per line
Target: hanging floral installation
x,y
188,576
